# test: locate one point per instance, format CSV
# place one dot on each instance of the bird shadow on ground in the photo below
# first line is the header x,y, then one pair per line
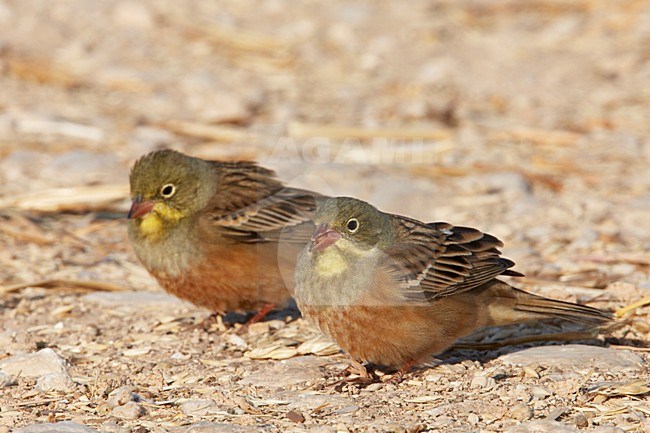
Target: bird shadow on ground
x,y
289,313
628,342
450,357
457,355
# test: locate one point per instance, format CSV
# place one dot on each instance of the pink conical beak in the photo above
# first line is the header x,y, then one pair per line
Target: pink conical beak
x,y
140,208
323,237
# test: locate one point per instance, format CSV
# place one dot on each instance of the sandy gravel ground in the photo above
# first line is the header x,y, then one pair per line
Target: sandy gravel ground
x,y
526,119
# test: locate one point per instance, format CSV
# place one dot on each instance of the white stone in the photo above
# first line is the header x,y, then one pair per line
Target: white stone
x,y
217,427
236,342
542,427
521,412
576,355
130,410
57,427
121,396
54,382
199,408
286,373
45,361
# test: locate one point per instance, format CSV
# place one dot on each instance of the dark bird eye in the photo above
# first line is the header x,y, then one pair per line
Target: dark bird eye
x,y
168,190
352,225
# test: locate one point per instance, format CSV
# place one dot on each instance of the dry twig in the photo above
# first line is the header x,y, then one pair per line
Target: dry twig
x,y
74,199
53,284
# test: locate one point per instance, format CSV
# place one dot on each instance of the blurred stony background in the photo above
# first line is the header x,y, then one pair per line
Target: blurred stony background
x,y
526,119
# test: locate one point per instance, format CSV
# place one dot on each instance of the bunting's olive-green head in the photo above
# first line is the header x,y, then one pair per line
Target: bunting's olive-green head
x,y
350,219
166,187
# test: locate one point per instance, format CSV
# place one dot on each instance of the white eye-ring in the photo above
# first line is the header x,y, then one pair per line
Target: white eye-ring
x,y
352,225
168,190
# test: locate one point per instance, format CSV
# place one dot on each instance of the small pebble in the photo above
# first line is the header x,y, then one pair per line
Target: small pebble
x,y
54,382
529,371
347,409
198,407
374,387
480,381
122,395
236,342
539,426
295,416
557,413
5,380
539,392
130,410
521,412
490,417
440,422
580,420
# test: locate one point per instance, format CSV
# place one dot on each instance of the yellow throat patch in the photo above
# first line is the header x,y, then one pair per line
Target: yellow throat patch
x,y
330,262
153,224
336,258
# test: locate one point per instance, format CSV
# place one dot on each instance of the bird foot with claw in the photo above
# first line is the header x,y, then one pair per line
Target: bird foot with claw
x,y
358,369
398,376
395,378
354,373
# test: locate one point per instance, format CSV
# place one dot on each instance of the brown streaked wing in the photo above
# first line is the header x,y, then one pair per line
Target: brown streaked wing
x,y
251,205
439,259
287,214
240,185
